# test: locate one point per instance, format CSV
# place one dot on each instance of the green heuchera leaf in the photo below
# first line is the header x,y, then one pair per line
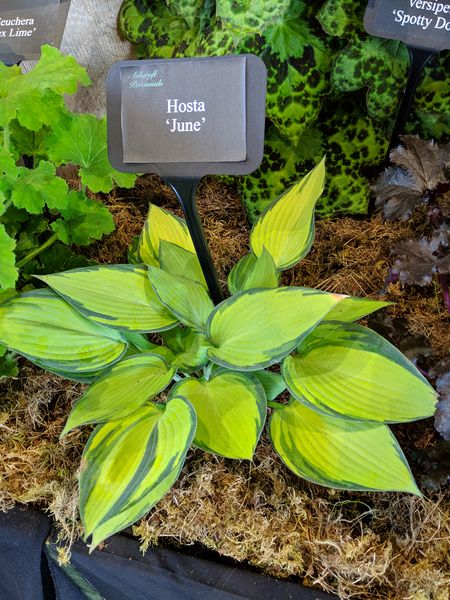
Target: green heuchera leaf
x,y
353,309
38,187
8,164
81,140
83,221
120,390
231,411
49,332
36,98
258,328
119,296
286,228
143,455
347,370
253,272
180,262
378,64
8,271
188,347
255,16
186,299
162,225
339,453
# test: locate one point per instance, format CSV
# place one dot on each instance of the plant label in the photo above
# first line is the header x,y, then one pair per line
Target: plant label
x,y
25,25
187,117
418,23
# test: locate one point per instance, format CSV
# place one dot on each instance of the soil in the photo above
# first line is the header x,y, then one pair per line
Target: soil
x,y
358,545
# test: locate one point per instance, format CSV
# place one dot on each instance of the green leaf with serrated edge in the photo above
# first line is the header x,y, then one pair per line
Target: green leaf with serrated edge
x,y
8,163
255,16
257,328
162,225
231,411
347,370
188,9
37,187
286,228
119,296
143,455
342,18
83,221
49,332
120,390
272,383
253,272
36,97
378,64
189,348
186,299
353,309
179,261
80,139
339,453
8,271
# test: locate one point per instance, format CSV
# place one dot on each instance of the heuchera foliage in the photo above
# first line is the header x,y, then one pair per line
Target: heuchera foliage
x,y
340,386
37,135
331,88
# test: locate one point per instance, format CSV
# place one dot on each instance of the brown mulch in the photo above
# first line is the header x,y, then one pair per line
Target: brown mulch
x,y
358,545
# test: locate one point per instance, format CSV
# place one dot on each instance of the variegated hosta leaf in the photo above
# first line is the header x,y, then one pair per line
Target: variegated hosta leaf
x,y
339,453
118,296
179,261
257,328
353,309
128,465
188,347
272,383
344,369
253,272
48,331
231,411
162,225
286,227
186,299
121,390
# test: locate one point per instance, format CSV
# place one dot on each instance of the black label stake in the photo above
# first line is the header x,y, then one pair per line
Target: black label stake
x,y
185,189
418,60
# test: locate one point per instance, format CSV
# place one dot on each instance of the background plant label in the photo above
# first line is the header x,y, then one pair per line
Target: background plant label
x,y
25,25
418,23
184,111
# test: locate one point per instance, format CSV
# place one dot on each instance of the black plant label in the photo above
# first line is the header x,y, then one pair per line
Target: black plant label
x,y
25,25
418,23
184,111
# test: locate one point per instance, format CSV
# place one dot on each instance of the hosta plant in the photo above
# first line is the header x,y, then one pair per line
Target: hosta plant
x,y
215,377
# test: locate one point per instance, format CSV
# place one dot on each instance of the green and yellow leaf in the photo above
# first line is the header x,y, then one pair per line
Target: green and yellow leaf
x,y
344,369
119,296
257,328
353,309
162,225
48,331
130,464
286,227
179,261
231,411
186,299
120,390
188,347
339,453
272,383
253,272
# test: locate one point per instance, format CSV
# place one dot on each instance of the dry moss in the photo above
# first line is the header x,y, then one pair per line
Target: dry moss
x,y
358,545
